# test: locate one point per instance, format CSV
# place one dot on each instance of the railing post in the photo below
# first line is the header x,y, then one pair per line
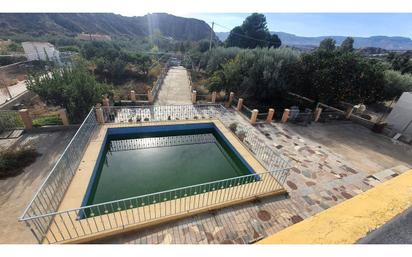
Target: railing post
x,y
239,104
348,112
150,96
269,118
253,117
99,114
285,115
194,96
25,117
229,102
132,96
63,117
214,97
318,111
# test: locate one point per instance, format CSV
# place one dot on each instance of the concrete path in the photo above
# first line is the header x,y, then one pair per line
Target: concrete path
x,y
175,88
16,192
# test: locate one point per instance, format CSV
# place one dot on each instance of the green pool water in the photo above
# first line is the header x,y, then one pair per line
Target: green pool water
x,y
151,169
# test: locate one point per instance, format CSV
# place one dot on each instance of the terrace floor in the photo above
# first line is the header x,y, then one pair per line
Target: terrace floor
x,y
16,192
331,163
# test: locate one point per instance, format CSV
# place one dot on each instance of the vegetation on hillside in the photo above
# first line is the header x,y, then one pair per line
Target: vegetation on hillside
x,y
330,74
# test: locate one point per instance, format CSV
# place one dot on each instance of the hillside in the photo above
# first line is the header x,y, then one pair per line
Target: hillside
x,y
389,43
70,24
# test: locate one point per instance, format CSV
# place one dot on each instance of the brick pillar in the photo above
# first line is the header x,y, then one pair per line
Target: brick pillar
x,y
269,118
348,112
150,96
25,117
229,102
253,117
63,117
214,97
106,101
194,96
239,104
285,115
99,114
317,113
133,95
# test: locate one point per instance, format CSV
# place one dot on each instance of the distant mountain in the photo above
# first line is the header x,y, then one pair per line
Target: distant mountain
x,y
71,24
389,43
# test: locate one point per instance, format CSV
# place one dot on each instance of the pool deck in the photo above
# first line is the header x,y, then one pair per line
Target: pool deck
x,y
77,189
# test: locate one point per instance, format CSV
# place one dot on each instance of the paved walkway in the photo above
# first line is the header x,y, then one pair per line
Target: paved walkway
x,y
175,88
319,179
16,192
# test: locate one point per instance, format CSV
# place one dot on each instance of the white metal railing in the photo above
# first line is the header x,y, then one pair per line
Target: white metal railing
x,y
155,142
50,225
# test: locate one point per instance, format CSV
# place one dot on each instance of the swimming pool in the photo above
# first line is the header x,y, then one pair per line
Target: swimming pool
x,y
138,161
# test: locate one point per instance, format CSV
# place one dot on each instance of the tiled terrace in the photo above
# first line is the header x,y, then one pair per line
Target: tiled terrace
x,y
320,179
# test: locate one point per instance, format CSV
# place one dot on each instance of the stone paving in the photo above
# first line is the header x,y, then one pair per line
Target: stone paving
x,y
318,180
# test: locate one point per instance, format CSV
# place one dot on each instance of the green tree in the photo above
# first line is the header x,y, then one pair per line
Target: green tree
x,y
236,38
401,62
259,74
334,76
347,44
252,33
396,83
72,88
327,45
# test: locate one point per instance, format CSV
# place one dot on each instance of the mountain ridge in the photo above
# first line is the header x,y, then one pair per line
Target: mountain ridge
x,y
115,25
385,42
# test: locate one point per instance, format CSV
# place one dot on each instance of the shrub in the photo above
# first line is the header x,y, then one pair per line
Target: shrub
x,y
396,83
47,120
12,162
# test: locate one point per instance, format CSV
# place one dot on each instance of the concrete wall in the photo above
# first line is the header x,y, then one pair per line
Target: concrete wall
x,y
401,115
40,51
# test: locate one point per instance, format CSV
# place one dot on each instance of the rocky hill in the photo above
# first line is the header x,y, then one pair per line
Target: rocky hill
x,y
71,24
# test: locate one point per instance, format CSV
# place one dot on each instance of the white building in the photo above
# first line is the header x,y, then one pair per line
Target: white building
x,y
40,51
400,118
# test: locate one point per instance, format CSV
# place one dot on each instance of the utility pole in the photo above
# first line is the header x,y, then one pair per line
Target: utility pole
x,y
211,36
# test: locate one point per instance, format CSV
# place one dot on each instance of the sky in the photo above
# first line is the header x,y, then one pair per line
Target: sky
x,y
321,24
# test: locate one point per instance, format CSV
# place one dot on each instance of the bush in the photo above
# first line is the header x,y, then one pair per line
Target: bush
x,y
260,74
12,162
47,120
396,83
331,76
